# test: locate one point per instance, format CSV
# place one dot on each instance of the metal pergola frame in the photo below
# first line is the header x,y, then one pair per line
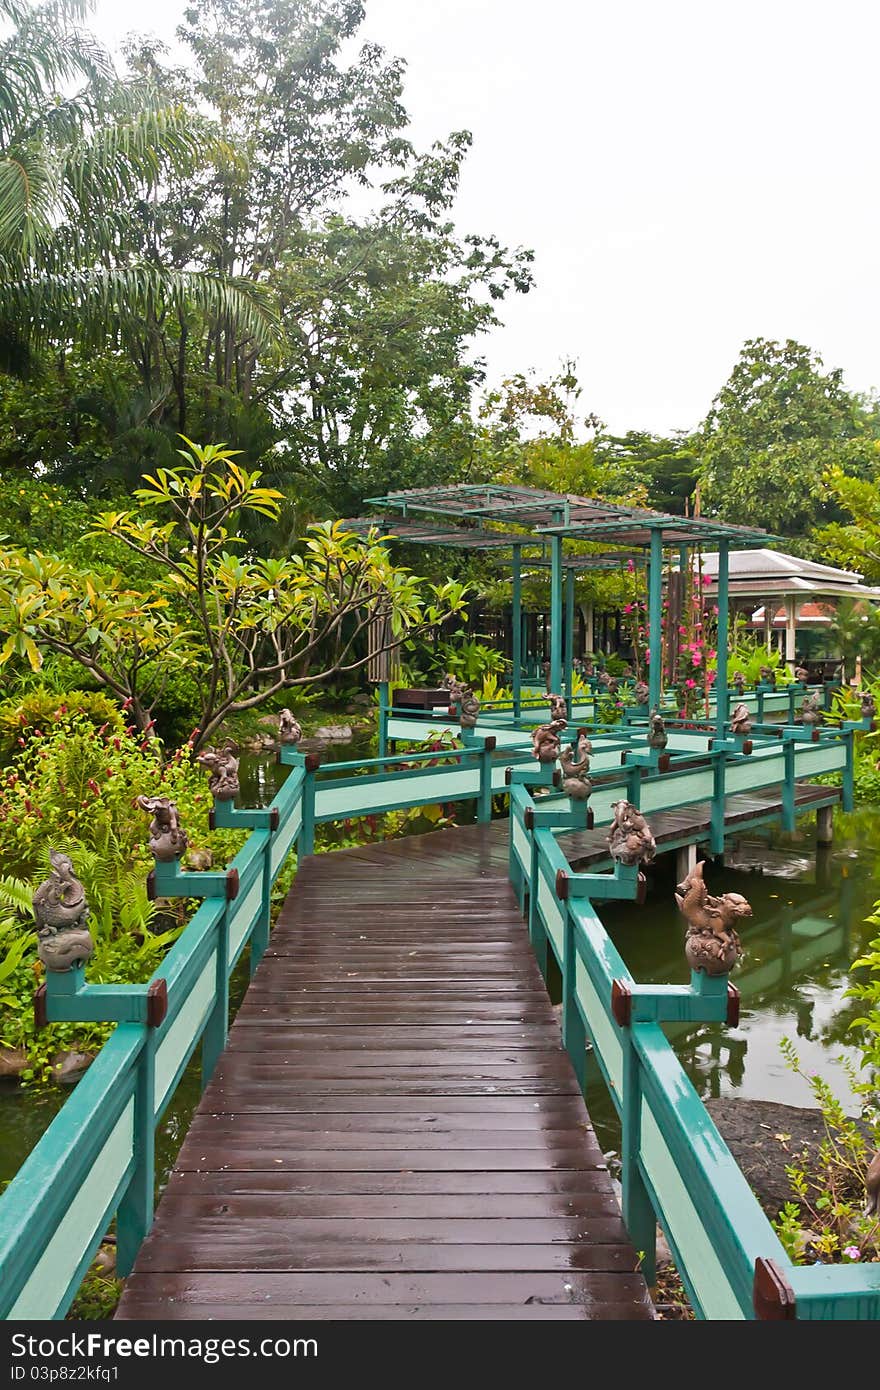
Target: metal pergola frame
x,y
550,518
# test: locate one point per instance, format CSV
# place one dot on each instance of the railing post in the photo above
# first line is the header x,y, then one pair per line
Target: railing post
x,y
134,1216
634,784
537,932
484,800
517,632
849,786
716,831
384,702
788,811
260,933
574,1034
217,1024
638,1213
311,763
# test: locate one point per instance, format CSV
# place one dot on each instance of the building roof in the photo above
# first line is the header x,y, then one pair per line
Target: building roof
x,y
772,573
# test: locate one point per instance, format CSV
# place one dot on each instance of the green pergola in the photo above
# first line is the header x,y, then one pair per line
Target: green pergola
x,y
462,518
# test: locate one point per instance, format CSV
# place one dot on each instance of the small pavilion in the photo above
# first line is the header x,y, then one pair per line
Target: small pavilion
x,y
535,525
770,579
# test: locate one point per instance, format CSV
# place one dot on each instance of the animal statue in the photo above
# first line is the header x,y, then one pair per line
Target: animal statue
x,y
768,676
603,679
739,682
469,707
627,671
641,693
61,913
545,667
801,674
741,721
222,764
869,709
711,944
545,741
613,686
589,668
657,736
575,782
629,838
872,1187
289,728
811,712
583,748
168,839
558,707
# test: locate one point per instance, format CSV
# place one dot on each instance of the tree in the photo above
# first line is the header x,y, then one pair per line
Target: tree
x,y
667,467
244,628
774,429
854,542
75,167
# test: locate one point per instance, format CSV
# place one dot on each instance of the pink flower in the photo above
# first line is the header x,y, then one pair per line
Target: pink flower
x,y
630,564
852,1252
627,608
682,631
691,684
711,655
707,579
696,658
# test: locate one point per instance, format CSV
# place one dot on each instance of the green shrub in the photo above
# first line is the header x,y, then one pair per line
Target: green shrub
x,y
37,710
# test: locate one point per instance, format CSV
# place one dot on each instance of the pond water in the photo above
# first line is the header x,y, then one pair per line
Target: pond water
x,y
808,926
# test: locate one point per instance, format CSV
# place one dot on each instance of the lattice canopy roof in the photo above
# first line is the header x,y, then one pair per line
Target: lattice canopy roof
x,y
540,514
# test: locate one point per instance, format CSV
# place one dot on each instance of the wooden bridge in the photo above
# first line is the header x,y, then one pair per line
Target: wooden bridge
x,y
394,1125
394,1130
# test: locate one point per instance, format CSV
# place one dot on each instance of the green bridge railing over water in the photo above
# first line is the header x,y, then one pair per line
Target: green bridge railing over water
x,y
96,1160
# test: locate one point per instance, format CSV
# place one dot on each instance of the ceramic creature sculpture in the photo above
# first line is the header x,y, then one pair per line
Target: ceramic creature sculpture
x,y
289,728
739,683
641,693
545,667
811,712
583,748
545,741
869,709
168,839
711,944
575,782
222,764
558,707
61,913
630,839
801,674
741,721
768,676
657,735
613,686
469,707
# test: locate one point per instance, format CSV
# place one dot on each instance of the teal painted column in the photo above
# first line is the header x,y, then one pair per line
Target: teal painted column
x,y
517,626
569,635
721,681
556,614
655,616
384,701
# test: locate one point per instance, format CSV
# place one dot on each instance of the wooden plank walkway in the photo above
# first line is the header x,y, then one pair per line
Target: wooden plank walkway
x,y
394,1130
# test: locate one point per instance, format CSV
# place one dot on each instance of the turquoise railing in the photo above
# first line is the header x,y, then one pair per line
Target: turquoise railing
x,y
676,1169
96,1160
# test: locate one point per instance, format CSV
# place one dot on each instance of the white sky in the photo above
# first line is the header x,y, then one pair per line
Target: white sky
x,y
690,173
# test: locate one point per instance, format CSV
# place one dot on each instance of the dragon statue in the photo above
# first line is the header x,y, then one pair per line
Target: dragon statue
x,y
469,707
739,683
583,748
575,782
768,676
545,741
61,913
222,764
741,721
657,736
811,711
168,839
711,944
629,838
289,729
558,707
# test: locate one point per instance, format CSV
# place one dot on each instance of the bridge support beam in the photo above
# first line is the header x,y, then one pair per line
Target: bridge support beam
x,y
825,825
685,862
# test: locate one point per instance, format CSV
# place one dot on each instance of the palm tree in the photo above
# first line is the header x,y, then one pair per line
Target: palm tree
x,y
80,153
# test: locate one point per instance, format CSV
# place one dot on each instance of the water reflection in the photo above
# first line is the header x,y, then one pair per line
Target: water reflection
x,y
808,927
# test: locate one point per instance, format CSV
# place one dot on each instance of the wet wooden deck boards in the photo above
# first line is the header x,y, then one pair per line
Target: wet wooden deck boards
x,y
394,1130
